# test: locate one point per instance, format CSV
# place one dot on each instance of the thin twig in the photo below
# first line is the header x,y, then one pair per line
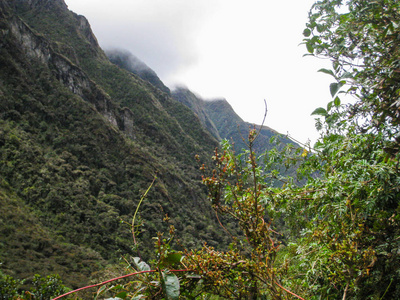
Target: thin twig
x,y
297,296
345,291
387,289
227,231
265,117
137,209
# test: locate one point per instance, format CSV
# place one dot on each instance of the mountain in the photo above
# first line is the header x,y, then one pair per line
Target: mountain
x,y
222,121
217,115
81,140
197,105
131,63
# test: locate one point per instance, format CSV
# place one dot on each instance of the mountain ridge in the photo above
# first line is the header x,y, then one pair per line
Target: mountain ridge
x,y
216,115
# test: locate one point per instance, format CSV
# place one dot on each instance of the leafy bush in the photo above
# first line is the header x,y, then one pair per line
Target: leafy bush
x,y
44,288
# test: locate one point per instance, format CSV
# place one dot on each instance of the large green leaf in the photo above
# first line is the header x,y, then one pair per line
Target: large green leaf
x,y
121,295
335,87
326,71
172,287
141,265
320,112
174,258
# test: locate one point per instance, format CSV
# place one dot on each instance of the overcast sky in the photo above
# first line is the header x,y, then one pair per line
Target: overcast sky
x,y
243,51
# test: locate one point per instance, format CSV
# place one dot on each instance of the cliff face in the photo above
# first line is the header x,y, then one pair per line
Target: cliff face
x,y
42,4
80,138
36,47
198,106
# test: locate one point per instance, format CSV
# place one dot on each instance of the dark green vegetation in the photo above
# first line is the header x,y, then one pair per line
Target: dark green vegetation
x,y
80,141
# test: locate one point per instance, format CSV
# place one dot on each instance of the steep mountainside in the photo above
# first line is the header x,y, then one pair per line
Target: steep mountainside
x,y
131,63
221,120
80,141
197,105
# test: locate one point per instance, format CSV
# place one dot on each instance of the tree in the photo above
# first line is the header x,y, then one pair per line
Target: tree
x,y
343,226
361,39
352,209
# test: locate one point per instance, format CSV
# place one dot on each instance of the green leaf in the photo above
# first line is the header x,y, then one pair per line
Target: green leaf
x,y
136,260
310,47
307,32
346,75
329,106
141,265
121,295
326,71
320,28
100,291
172,287
116,287
320,112
336,65
337,101
174,258
335,87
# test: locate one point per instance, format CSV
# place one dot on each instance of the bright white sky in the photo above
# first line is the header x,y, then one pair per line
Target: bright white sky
x,y
243,51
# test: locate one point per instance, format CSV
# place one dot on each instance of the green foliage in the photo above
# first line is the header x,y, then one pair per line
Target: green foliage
x,y
44,288
352,208
8,287
347,215
47,288
361,40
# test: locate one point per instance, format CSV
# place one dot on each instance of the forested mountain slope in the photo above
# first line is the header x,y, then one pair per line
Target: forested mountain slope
x,y
80,141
